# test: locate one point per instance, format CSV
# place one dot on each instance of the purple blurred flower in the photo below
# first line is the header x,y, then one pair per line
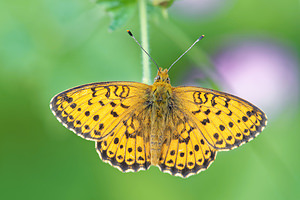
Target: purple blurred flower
x,y
194,8
263,72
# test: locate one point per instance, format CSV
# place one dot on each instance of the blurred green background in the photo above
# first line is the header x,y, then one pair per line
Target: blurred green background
x,y
51,45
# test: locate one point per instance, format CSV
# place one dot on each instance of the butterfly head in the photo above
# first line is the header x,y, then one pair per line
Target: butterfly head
x,y
162,76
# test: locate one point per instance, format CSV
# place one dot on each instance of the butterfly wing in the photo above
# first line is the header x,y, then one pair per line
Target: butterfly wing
x,y
225,121
92,111
187,152
110,113
128,148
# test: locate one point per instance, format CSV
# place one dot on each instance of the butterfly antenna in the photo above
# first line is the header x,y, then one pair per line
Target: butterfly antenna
x,y
129,32
202,36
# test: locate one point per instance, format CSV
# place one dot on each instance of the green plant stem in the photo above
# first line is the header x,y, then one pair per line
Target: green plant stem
x,y
145,43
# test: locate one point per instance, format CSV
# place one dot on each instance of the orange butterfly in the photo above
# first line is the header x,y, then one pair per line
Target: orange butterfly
x,y
178,129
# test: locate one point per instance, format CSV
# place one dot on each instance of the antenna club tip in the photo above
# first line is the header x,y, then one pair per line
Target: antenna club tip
x,y
129,32
201,37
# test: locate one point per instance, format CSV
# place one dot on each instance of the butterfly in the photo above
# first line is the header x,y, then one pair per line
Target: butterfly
x,y
179,129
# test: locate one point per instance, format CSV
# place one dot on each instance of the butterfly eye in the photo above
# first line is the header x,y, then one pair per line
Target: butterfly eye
x,y
157,78
168,79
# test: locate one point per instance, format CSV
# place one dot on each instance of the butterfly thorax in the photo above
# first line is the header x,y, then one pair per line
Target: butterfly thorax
x,y
161,96
161,99
161,93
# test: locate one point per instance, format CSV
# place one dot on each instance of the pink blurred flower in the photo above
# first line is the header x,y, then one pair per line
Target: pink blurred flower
x,y
194,8
263,72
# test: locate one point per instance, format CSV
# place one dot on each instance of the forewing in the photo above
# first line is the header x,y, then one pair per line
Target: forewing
x,y
224,120
94,111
